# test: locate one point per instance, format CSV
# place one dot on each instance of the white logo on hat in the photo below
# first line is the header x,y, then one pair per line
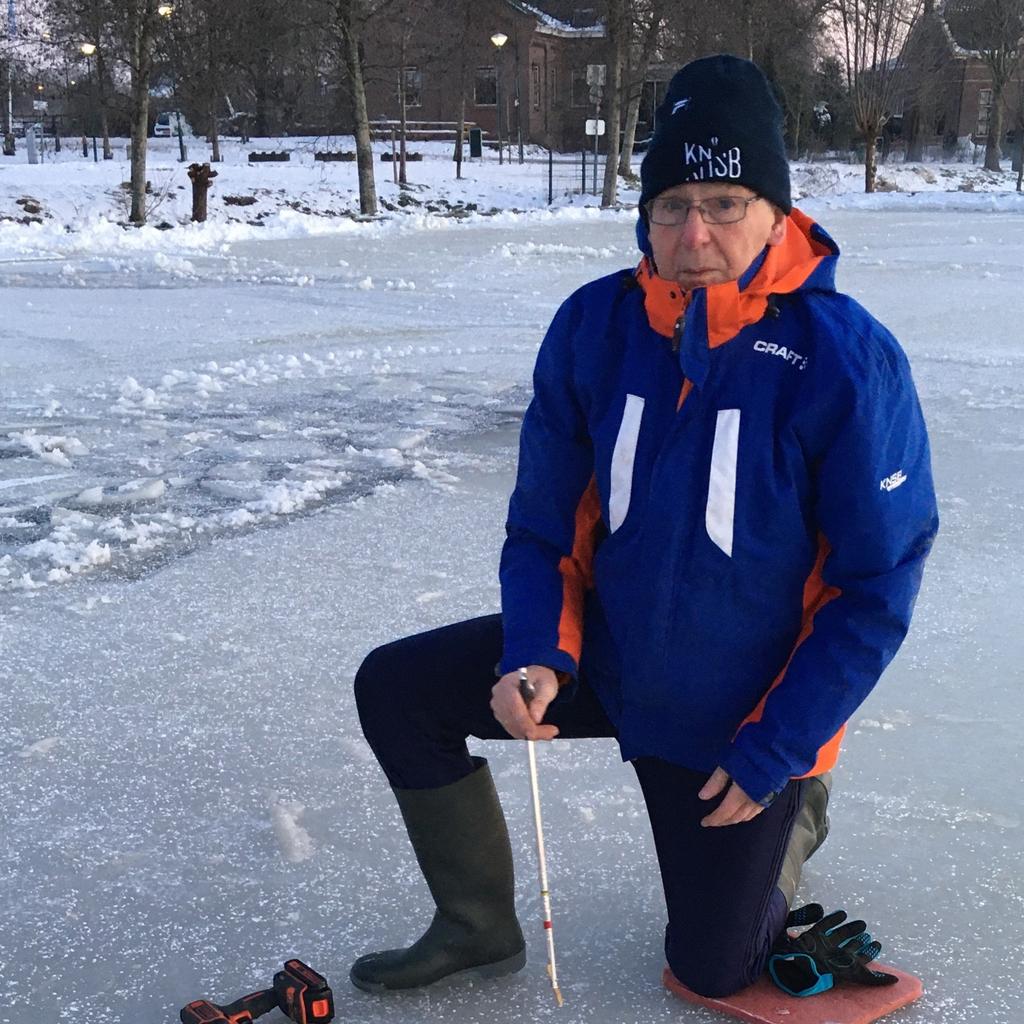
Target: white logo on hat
x,y
680,105
706,164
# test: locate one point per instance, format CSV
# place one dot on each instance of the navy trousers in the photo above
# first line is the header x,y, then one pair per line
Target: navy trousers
x,y
421,697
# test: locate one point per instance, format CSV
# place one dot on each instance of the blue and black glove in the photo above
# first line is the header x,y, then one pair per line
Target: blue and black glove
x,y
825,954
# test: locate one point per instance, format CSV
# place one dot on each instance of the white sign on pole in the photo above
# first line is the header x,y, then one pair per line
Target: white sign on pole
x,y
595,126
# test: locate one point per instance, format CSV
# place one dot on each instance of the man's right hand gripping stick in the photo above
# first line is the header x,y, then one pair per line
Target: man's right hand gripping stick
x,y
299,992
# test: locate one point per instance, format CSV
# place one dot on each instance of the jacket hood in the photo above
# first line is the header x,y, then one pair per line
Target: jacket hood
x,y
805,260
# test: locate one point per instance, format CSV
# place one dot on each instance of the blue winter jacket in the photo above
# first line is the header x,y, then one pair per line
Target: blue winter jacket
x,y
723,506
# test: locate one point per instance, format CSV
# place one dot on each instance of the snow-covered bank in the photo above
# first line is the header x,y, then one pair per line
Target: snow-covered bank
x,y
69,204
99,236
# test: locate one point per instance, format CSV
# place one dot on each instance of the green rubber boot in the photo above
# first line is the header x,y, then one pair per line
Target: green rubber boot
x,y
458,833
809,832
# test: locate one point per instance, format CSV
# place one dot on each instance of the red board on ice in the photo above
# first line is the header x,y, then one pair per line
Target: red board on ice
x,y
763,1003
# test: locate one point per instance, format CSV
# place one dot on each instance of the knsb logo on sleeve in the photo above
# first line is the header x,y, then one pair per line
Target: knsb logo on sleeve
x,y
890,483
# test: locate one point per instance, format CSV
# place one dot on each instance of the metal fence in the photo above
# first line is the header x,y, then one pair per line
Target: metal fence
x,y
564,174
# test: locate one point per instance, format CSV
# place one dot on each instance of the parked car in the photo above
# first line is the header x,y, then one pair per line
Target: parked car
x,y
23,127
167,124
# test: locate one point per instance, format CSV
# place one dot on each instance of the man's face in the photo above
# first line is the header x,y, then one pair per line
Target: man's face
x,y
695,254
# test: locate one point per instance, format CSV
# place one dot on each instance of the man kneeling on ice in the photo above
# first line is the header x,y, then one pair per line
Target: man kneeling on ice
x,y
723,506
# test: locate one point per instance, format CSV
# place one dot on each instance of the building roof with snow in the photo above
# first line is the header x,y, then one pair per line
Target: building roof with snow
x,y
582,23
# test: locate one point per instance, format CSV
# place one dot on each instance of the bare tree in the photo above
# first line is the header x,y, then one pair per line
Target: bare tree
x,y
646,27
73,23
141,21
618,42
995,30
197,51
349,21
925,87
1019,131
126,31
872,34
784,37
95,15
465,23
409,20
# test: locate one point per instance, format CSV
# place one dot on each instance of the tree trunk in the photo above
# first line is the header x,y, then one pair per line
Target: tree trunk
x,y
1020,147
361,120
629,135
101,79
108,150
870,167
201,177
215,156
460,132
213,88
402,120
140,21
993,151
798,122
637,75
617,40
261,125
913,125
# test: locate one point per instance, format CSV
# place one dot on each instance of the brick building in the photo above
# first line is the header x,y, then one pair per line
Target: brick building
x,y
536,81
947,96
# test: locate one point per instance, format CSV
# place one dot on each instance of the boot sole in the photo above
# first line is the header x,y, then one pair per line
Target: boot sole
x,y
497,969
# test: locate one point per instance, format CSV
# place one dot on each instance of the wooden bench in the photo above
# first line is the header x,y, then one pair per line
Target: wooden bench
x,y
420,131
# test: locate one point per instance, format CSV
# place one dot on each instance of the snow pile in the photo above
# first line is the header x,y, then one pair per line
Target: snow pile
x,y
295,843
53,449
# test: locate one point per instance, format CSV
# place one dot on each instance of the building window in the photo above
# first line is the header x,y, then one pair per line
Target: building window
x,y
580,90
984,111
535,85
651,96
413,85
552,87
485,87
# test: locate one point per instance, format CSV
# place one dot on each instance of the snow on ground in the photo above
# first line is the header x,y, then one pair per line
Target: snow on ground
x,y
66,192
249,200
221,484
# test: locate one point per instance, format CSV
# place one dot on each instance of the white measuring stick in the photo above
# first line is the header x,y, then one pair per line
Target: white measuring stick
x,y
526,689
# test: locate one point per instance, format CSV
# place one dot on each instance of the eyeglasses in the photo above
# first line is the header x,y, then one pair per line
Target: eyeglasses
x,y
671,211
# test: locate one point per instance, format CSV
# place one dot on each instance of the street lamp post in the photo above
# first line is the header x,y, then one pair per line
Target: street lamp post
x,y
88,49
12,32
499,39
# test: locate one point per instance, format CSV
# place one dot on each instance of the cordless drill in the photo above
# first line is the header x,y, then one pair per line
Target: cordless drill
x,y
299,992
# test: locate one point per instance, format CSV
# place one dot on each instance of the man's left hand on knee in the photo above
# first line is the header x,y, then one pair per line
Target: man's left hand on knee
x,y
736,806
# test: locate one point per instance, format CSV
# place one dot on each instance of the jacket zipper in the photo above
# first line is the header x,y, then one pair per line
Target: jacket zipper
x,y
677,336
677,332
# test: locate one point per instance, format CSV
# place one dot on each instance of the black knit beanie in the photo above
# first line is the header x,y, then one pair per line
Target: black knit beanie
x,y
719,122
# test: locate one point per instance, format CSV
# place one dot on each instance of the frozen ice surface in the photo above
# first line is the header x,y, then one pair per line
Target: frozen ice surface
x,y
185,794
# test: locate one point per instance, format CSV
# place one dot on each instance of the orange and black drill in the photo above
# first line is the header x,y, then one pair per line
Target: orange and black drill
x,y
299,992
